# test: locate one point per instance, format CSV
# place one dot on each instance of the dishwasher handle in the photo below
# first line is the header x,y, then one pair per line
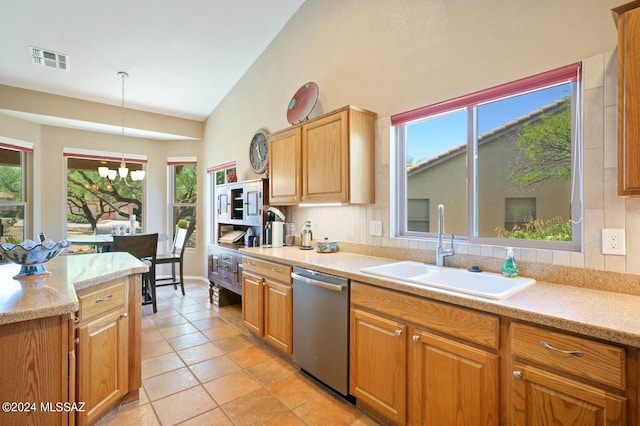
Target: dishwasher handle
x,y
316,283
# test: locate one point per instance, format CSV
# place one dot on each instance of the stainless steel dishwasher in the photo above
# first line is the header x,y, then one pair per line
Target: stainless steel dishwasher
x,y
321,327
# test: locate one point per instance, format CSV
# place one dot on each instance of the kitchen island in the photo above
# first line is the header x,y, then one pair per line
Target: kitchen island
x,y
70,341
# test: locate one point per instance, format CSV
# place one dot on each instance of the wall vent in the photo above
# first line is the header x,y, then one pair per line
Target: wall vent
x,y
48,58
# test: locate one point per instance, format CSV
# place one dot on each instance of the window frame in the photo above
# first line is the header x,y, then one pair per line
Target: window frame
x,y
399,208
172,163
25,151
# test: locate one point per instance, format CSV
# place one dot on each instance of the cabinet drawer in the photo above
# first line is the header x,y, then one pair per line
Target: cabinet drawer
x,y
267,269
460,323
599,362
102,300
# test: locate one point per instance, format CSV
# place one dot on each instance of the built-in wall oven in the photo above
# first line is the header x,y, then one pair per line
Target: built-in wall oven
x,y
321,327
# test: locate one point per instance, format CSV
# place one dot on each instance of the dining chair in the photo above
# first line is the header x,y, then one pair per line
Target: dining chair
x,y
176,256
145,248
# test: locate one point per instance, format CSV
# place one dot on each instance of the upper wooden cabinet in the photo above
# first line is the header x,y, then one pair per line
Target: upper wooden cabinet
x,y
628,22
329,159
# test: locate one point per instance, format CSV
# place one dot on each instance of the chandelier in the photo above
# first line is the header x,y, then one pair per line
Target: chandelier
x,y
123,170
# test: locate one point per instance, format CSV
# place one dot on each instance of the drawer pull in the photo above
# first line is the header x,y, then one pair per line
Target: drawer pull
x,y
279,271
416,337
124,315
517,374
76,320
109,297
548,346
398,332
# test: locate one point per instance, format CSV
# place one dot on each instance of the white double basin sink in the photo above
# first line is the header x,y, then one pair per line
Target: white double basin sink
x,y
484,284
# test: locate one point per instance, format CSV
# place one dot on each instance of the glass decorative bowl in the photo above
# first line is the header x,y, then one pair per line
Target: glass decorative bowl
x,y
32,255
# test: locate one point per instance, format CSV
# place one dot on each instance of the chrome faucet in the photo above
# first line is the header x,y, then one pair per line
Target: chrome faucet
x,y
441,251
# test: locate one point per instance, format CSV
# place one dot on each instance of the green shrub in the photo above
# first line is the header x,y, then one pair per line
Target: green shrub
x,y
538,229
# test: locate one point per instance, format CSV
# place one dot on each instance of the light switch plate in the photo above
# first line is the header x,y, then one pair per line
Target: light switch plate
x,y
613,242
375,228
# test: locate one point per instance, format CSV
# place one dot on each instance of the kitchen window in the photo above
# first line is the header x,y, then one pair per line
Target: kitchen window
x,y
13,195
505,162
95,203
183,190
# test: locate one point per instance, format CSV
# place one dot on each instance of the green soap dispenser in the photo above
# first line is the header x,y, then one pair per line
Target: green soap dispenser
x,y
509,266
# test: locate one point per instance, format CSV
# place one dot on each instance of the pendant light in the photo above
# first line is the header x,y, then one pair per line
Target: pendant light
x,y
123,170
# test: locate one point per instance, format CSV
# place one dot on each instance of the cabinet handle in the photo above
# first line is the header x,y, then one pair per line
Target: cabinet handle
x,y
416,337
517,375
77,341
398,332
279,271
109,297
124,315
76,320
551,348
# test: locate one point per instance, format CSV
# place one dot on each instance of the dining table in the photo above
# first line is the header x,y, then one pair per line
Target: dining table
x,y
102,242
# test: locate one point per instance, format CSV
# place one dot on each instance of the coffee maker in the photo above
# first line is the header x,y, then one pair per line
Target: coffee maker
x,y
274,228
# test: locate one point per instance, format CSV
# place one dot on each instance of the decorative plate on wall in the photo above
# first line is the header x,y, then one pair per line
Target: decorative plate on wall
x,y
302,103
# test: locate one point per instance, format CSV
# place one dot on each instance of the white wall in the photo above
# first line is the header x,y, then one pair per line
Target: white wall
x,y
391,56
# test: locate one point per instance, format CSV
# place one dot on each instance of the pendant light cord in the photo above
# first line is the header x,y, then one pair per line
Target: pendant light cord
x,y
123,75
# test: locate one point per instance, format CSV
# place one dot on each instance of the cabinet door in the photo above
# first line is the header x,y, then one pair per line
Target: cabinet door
x,y
223,203
285,182
541,398
378,363
629,103
33,368
102,364
278,311
253,303
325,159
451,380
214,266
253,202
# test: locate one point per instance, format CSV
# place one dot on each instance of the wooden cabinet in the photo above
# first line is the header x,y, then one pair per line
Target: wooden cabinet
x,y
628,22
378,364
267,302
34,366
285,167
240,203
330,159
102,350
447,359
451,379
563,379
225,268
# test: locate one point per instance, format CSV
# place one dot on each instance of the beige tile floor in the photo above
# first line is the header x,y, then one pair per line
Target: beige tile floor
x,y
201,367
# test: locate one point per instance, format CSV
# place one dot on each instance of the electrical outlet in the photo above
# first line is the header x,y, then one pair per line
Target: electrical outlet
x,y
613,242
375,228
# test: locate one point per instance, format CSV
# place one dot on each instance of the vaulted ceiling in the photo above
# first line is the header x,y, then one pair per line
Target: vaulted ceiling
x,y
182,57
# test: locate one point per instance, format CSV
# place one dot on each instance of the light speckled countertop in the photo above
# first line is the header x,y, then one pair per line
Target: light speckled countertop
x,y
614,317
56,294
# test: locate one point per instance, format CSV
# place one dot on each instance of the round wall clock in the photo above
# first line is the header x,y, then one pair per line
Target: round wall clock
x,y
259,151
